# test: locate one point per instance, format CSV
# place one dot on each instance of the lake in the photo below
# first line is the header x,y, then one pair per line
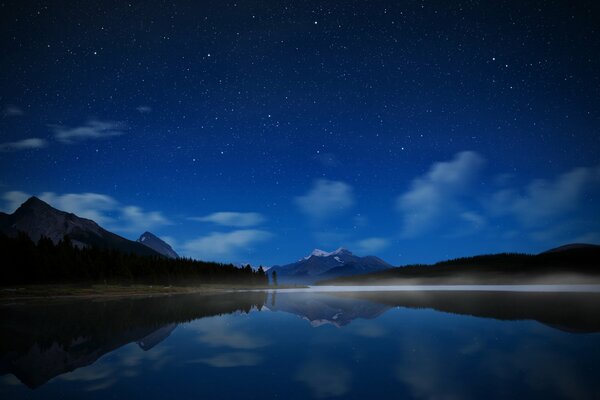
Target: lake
x,y
438,343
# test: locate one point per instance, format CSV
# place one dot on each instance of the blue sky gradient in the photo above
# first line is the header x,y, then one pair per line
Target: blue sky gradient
x,y
256,131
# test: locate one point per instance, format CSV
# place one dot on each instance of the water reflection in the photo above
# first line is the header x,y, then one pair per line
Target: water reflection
x,y
320,345
41,341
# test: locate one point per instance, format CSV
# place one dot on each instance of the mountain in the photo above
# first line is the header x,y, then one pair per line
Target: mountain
x,y
157,244
320,265
37,218
572,246
569,264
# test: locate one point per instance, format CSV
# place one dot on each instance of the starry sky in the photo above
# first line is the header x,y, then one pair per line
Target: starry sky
x,y
255,131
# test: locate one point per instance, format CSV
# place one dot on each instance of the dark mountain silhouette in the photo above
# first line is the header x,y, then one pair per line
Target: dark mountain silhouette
x,y
322,265
567,264
38,219
157,244
572,246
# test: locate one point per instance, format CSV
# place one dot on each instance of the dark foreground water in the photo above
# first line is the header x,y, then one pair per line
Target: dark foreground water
x,y
400,345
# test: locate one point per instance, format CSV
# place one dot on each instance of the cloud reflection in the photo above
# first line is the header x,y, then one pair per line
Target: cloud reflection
x,y
223,332
325,378
231,360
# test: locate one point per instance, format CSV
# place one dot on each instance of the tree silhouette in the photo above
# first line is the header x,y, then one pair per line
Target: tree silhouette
x,y
25,262
274,275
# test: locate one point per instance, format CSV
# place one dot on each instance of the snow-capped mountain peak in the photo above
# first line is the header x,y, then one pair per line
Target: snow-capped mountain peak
x,y
322,253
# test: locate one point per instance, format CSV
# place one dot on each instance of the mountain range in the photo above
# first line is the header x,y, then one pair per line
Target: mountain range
x,y
38,219
320,265
575,263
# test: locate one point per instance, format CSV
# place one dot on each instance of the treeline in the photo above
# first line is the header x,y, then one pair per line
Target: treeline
x,y
27,262
491,268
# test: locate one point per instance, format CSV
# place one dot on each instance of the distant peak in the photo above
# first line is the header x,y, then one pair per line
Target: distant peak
x,y
322,253
35,203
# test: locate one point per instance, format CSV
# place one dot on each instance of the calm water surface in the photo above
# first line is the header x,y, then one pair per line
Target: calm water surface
x,y
350,344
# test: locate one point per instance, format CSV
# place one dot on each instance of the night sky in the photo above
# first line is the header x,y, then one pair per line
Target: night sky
x,y
255,131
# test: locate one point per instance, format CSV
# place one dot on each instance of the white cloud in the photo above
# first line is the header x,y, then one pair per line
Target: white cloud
x,y
25,144
103,209
326,199
236,219
144,109
543,201
13,199
431,195
12,111
371,245
93,206
222,246
137,220
93,129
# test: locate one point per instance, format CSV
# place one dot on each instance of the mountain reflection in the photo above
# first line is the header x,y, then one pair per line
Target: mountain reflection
x,y
42,341
567,311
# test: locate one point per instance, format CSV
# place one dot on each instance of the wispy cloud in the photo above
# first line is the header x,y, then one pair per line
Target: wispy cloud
x,y
433,194
144,109
545,200
25,144
103,209
371,245
326,199
224,246
235,219
93,129
12,111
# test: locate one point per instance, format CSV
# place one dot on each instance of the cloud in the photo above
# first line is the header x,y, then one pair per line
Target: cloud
x,y
12,111
431,195
371,245
232,360
543,201
25,144
326,199
93,129
137,220
224,246
144,109
13,199
103,209
93,206
236,219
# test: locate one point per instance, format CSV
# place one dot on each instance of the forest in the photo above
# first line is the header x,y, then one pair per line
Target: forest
x,y
575,266
27,262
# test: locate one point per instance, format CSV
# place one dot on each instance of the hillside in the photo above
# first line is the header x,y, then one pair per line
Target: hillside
x,y
568,264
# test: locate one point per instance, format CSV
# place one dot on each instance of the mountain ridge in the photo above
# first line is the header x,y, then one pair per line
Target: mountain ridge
x,y
38,219
321,264
157,244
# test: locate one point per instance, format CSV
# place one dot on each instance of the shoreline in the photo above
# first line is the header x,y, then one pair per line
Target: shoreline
x,y
101,291
109,292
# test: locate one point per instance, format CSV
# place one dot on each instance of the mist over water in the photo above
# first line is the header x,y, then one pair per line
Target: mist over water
x,y
318,342
582,288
